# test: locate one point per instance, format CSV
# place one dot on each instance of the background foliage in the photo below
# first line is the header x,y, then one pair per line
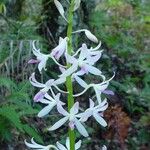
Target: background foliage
x,y
123,26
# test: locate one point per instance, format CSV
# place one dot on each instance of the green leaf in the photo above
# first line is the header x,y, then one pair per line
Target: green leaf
x,y
12,116
33,133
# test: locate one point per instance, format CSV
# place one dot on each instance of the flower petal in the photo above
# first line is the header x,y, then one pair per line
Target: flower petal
x,y
46,110
61,110
75,108
60,146
81,128
92,70
80,81
58,123
69,71
99,119
78,145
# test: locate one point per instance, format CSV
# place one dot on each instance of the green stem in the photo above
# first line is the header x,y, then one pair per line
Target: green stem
x,y
69,80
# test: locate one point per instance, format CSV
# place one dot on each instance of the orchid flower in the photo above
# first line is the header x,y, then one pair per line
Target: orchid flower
x,y
89,53
88,34
98,88
41,58
67,147
96,112
83,63
36,146
45,87
72,117
51,103
58,51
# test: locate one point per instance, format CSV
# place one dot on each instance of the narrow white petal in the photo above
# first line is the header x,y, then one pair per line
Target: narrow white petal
x,y
58,123
78,145
33,144
99,119
98,95
70,59
60,8
91,103
34,82
60,146
49,97
93,70
81,128
69,71
46,110
68,143
75,108
80,81
60,81
61,110
42,65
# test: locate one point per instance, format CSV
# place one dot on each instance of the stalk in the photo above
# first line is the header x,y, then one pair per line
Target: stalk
x,y
69,80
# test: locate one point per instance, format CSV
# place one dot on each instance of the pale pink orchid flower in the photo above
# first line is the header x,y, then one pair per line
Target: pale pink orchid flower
x,y
36,146
72,117
96,112
45,87
67,146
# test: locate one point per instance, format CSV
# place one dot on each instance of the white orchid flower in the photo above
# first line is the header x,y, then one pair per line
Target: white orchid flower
x,y
58,51
35,146
60,8
88,34
76,4
45,87
98,88
67,146
51,102
41,58
72,118
92,54
96,112
83,63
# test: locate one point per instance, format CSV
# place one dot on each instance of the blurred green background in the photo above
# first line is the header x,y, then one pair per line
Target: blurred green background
x,y
123,26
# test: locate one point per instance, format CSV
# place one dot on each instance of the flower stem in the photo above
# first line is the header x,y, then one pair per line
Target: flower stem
x,y
69,80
